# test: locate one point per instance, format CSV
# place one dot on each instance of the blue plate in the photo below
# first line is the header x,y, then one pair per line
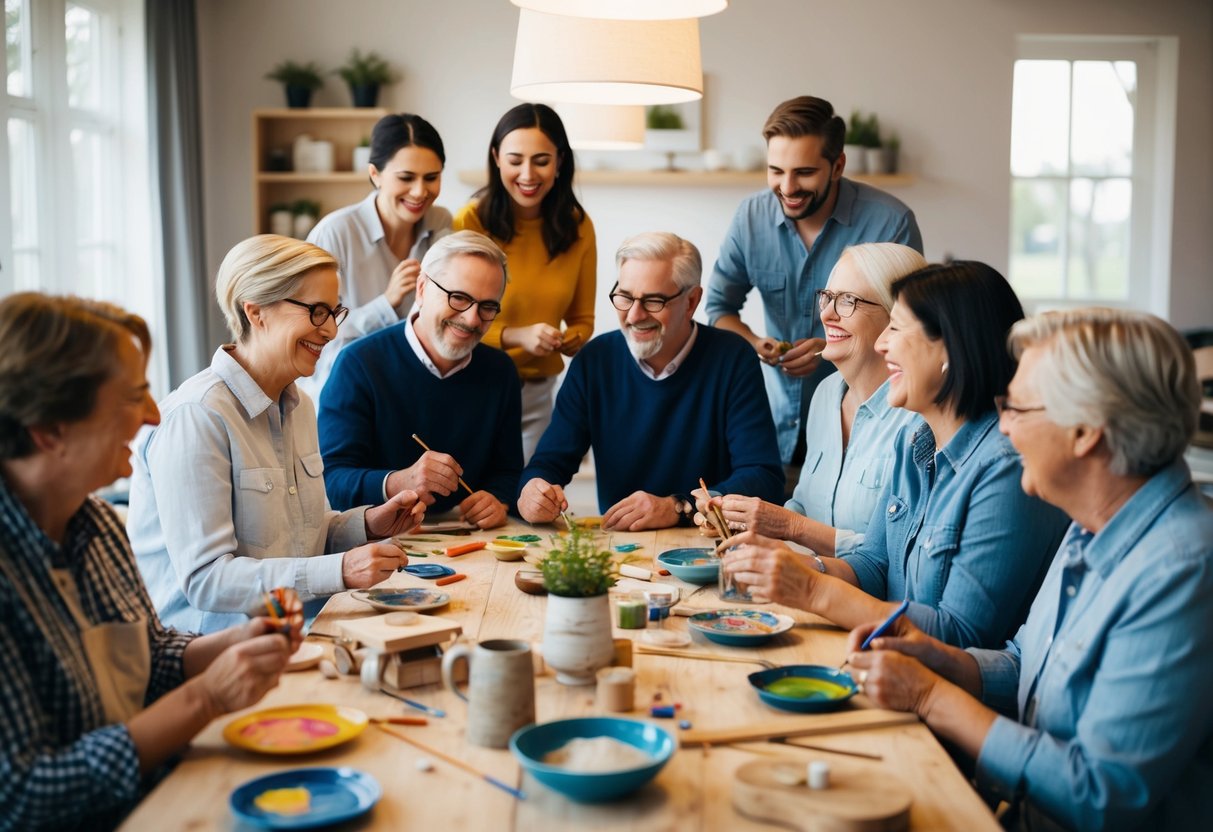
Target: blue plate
x,y
336,794
740,628
834,687
429,571
532,743
683,564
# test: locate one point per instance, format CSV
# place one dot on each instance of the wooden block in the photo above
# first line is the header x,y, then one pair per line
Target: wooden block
x,y
839,722
856,801
414,668
377,633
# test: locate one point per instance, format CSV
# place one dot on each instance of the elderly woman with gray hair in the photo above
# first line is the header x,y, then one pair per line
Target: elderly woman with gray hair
x,y
1094,716
228,496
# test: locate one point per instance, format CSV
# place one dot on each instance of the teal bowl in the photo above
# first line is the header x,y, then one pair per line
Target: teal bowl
x,y
532,743
740,627
683,565
823,689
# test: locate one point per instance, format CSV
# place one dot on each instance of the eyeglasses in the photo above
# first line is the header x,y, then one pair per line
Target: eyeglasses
x,y
462,302
321,312
1005,407
649,303
844,302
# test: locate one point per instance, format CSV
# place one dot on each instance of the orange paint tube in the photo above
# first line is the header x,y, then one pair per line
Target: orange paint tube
x,y
464,548
450,579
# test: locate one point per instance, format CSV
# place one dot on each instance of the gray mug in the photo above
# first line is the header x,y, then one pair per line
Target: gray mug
x,y
501,688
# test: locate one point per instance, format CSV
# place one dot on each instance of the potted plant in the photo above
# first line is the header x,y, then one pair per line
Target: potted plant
x,y
282,219
299,80
892,148
306,212
362,155
365,74
853,144
874,156
577,640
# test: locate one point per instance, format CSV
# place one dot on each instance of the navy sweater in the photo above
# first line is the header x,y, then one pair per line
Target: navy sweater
x,y
380,394
710,419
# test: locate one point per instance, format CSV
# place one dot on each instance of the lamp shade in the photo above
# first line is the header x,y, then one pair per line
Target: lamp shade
x,y
590,61
603,126
627,9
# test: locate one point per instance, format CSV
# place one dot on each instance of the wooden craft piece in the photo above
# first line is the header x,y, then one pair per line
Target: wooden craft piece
x,y
377,633
839,722
862,800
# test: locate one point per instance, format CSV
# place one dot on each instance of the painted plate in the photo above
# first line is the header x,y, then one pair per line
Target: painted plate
x,y
295,729
307,656
304,798
804,688
429,571
415,599
740,628
695,566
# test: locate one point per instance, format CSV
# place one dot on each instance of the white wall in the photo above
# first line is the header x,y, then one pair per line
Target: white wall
x,y
939,71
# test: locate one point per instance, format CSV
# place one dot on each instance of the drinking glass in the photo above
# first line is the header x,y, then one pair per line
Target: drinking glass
x,y
659,601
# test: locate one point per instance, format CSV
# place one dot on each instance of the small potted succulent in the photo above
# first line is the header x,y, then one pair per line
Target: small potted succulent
x,y
853,144
299,80
282,219
306,212
365,74
577,640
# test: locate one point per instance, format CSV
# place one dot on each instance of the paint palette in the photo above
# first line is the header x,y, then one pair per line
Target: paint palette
x,y
804,688
304,798
739,627
429,571
296,729
415,599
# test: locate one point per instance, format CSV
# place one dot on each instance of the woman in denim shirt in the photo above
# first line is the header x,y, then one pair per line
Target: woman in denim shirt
x,y
851,425
227,497
954,533
1096,714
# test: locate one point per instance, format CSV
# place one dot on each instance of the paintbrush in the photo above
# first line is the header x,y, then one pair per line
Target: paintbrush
x,y
455,761
717,512
466,487
879,631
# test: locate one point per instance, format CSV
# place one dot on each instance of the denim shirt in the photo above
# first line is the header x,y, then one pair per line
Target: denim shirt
x,y
956,535
1108,682
841,488
228,500
763,250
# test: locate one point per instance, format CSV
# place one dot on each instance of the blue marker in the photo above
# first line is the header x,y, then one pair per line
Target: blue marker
x,y
880,631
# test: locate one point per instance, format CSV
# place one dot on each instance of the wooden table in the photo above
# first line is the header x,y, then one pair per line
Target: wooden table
x,y
693,791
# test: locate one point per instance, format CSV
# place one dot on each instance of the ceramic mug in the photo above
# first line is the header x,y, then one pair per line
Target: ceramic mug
x,y
501,688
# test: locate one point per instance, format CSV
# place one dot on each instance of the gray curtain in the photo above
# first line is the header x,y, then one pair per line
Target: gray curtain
x,y
176,161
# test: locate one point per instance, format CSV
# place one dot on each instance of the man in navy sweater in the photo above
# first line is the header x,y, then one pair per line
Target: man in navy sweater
x,y
430,377
662,402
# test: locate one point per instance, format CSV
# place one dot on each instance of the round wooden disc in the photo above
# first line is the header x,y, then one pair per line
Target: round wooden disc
x,y
856,801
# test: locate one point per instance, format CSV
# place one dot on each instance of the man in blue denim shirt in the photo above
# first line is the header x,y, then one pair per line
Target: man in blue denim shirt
x,y
1095,716
785,241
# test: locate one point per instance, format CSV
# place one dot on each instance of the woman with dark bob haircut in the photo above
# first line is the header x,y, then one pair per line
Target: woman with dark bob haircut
x,y
96,695
528,208
379,242
953,532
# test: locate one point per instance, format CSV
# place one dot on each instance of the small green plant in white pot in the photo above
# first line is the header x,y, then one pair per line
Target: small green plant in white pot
x,y
578,572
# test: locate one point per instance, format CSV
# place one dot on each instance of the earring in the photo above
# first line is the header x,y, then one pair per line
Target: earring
x,y
944,369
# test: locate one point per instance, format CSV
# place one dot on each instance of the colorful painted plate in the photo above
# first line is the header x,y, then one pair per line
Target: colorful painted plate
x,y
429,571
295,729
304,798
415,599
804,688
695,566
740,628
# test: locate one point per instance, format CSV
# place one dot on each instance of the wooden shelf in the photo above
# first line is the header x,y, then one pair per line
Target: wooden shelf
x,y
692,178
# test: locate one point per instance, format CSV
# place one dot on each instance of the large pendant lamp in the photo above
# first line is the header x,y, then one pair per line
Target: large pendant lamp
x,y
626,9
592,61
603,126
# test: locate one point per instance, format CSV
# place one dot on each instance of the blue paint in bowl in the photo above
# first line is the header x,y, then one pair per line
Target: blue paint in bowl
x,y
530,744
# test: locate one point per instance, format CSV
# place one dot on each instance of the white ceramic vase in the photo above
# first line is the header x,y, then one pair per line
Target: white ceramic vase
x,y
857,161
577,638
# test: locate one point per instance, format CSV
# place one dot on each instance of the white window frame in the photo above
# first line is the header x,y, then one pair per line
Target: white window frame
x,y
1153,175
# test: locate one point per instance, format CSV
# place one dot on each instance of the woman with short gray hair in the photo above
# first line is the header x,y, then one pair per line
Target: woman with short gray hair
x,y
1093,716
228,497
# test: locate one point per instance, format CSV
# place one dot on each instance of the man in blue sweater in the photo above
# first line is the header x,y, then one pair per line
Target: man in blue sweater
x,y
662,402
430,378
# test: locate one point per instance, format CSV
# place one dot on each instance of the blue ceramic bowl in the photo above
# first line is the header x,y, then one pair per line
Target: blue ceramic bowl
x,y
740,627
824,699
682,564
532,743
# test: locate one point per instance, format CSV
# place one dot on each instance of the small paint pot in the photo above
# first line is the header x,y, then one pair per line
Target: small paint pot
x,y
616,689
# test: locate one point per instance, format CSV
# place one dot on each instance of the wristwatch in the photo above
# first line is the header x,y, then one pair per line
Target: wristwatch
x,y
685,508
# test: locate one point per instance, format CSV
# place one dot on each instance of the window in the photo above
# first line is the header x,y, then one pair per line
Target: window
x,y
73,154
1090,171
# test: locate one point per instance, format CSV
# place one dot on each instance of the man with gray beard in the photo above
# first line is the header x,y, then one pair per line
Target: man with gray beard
x,y
429,377
663,402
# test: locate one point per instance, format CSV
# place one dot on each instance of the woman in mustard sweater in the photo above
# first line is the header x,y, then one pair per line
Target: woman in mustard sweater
x,y
529,209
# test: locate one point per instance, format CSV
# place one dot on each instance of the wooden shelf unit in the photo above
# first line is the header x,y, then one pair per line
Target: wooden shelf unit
x,y
693,178
277,129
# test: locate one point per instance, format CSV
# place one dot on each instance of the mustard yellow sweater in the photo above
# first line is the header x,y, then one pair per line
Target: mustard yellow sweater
x,y
542,291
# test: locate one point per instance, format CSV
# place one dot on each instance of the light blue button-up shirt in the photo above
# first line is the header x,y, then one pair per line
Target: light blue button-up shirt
x,y
763,250
956,535
228,500
841,489
1108,692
